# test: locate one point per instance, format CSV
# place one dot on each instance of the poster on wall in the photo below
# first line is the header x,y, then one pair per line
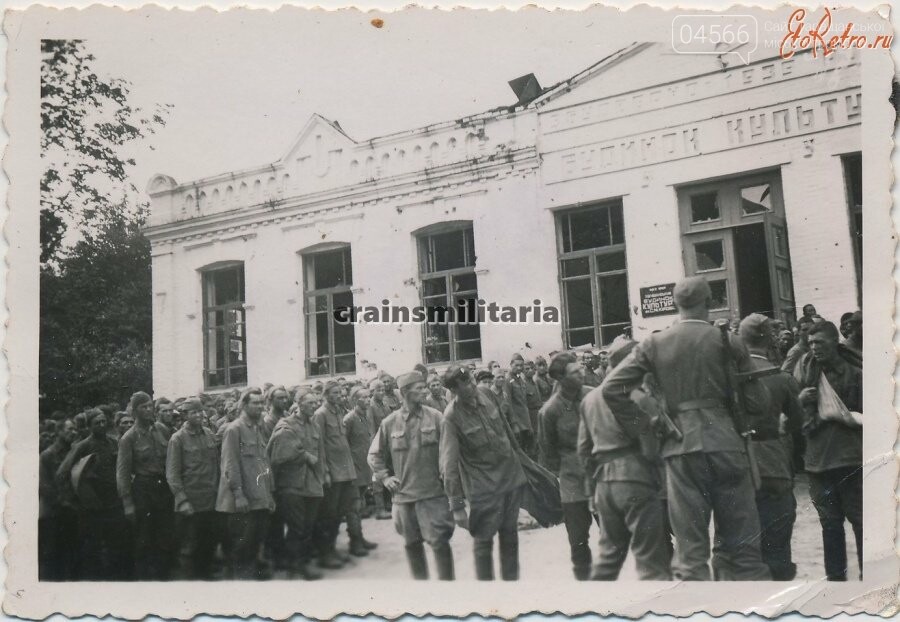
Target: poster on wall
x,y
658,300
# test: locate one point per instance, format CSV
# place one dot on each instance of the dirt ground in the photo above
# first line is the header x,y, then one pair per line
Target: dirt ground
x,y
544,553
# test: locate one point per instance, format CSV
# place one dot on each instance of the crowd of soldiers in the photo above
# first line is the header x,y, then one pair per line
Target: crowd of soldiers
x,y
648,441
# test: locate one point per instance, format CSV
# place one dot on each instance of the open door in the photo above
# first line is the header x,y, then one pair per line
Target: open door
x,y
780,277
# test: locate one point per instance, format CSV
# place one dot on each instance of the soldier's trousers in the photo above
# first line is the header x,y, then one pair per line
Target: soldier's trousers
x,y
58,546
198,532
777,509
104,537
702,484
632,515
337,502
299,513
154,553
428,520
577,517
247,531
837,495
497,515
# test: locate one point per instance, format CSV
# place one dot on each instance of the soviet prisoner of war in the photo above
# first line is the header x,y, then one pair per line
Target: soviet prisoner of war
x,y
259,481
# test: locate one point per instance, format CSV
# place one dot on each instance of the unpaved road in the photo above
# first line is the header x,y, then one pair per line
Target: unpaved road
x,y
544,553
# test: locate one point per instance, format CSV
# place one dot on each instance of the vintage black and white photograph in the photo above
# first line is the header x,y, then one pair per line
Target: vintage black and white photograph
x,y
540,297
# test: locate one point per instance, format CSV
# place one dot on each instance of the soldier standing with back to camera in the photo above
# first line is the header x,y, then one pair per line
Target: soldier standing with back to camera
x,y
707,470
775,500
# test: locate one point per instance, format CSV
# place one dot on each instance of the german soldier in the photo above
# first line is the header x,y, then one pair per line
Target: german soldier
x,y
775,500
627,489
707,469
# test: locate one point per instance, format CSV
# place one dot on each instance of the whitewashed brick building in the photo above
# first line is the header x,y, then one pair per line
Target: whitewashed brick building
x,y
594,197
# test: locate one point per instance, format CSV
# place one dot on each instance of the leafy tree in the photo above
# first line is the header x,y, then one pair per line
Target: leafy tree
x,y
95,287
96,322
87,123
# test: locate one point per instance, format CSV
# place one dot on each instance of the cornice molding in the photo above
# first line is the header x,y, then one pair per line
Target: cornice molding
x,y
295,212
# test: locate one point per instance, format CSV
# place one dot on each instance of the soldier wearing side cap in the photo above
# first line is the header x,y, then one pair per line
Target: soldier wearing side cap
x,y
707,470
404,457
192,472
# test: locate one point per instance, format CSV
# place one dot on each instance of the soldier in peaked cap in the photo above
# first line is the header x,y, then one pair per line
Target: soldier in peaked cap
x,y
707,469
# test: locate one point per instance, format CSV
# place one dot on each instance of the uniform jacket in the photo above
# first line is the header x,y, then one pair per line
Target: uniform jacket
x,y
97,487
359,437
772,455
558,438
142,453
831,444
607,452
407,446
520,420
338,457
294,443
687,361
478,452
245,467
192,468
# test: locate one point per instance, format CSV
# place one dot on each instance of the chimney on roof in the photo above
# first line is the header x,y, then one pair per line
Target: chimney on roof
x,y
526,88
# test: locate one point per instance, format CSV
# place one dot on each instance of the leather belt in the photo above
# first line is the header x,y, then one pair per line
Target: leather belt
x,y
700,405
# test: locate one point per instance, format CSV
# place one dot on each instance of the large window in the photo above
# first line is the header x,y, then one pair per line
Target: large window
x,y
330,346
853,178
593,274
224,327
447,273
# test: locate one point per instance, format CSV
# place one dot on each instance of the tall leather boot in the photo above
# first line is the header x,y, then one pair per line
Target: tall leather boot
x,y
509,556
443,557
418,565
484,560
381,512
354,530
582,573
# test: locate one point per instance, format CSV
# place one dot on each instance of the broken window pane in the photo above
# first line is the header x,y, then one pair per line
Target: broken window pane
x,y
756,199
225,359
704,207
709,255
719,291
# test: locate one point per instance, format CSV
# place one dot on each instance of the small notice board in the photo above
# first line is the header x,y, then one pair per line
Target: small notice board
x,y
658,300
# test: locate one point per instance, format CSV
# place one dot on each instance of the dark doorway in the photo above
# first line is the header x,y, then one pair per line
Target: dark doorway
x,y
751,257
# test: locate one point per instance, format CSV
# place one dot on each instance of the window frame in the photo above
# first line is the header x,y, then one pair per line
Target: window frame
x,y
307,257
853,212
205,276
563,224
424,241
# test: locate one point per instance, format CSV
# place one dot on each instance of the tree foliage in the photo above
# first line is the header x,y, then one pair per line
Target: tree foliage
x,y
96,321
87,123
95,286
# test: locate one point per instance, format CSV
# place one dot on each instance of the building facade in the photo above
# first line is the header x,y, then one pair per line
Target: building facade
x,y
595,197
